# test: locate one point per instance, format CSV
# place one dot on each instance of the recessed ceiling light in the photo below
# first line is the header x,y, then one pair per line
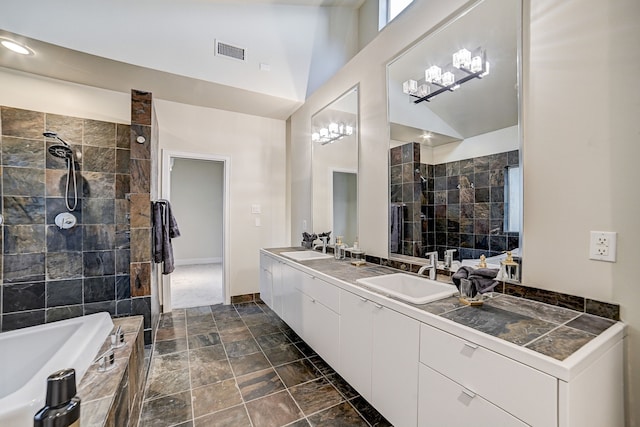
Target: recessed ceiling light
x,y
16,47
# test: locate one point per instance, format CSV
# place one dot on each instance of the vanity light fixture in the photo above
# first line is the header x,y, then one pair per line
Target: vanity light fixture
x,y
334,132
16,47
465,66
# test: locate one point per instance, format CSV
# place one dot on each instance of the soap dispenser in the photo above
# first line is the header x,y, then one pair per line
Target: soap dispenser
x,y
339,249
62,406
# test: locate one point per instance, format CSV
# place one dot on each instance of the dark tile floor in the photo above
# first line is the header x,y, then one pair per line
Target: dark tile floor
x,y
240,365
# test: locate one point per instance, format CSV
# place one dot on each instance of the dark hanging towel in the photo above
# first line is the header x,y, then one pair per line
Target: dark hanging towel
x,y
165,228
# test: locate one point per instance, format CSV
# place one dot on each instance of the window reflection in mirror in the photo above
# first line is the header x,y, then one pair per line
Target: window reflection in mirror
x,y
455,138
335,168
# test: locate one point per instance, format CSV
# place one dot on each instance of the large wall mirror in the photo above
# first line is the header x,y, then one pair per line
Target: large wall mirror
x,y
455,175
335,168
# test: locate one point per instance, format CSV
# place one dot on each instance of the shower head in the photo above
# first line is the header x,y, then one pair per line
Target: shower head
x,y
61,151
55,136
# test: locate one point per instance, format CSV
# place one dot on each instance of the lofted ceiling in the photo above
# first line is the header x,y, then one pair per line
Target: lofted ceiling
x,y
167,47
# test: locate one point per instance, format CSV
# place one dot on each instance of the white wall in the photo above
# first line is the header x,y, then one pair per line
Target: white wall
x,y
581,149
581,156
498,141
197,204
256,147
31,92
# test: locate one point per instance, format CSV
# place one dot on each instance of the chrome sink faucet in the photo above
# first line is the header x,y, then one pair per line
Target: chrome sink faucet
x,y
432,266
324,244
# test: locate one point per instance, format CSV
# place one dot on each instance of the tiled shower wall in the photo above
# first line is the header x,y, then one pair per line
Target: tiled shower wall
x,y
466,206
408,194
48,273
458,205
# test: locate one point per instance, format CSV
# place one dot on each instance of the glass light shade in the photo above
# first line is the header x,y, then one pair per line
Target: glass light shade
x,y
433,74
476,64
448,78
462,59
333,128
423,90
315,136
486,69
324,133
349,130
410,87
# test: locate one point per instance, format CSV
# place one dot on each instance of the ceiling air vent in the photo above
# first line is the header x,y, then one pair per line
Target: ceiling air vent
x,y
229,51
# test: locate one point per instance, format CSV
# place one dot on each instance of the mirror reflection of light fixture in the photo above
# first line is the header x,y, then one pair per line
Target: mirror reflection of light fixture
x,y
333,133
449,78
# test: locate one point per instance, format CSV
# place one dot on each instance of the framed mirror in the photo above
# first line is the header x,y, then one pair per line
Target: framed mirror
x,y
454,113
335,168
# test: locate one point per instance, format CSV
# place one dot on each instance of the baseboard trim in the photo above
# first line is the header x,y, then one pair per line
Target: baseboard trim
x,y
193,261
238,299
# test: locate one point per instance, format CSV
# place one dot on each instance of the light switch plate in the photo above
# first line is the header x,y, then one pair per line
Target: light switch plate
x,y
255,209
602,246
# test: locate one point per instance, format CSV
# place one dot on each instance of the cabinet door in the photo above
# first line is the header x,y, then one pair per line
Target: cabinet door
x,y
277,293
356,342
446,403
321,330
292,302
266,285
394,382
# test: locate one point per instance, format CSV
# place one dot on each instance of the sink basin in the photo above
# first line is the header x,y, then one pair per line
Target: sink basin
x,y
306,255
413,289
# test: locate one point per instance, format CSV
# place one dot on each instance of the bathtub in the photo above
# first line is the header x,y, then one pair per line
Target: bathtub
x,y
28,356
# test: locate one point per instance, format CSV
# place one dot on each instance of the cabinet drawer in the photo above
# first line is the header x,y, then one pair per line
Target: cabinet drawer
x,y
325,293
527,393
443,402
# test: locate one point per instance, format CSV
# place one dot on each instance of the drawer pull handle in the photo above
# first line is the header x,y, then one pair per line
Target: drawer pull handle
x,y
377,305
363,299
469,393
313,300
471,346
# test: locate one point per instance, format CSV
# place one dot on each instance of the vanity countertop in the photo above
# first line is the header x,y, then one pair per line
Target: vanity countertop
x,y
553,331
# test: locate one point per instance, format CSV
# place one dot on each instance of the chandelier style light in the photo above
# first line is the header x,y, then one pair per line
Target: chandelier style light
x,y
331,134
465,66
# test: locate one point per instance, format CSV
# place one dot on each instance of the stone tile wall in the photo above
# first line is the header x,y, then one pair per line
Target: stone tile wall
x,y
465,207
141,267
49,273
457,205
407,195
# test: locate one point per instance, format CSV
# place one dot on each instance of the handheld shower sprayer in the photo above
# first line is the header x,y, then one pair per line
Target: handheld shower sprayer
x,y
64,151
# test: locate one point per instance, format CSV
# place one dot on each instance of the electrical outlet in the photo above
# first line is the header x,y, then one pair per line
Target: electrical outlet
x,y
602,246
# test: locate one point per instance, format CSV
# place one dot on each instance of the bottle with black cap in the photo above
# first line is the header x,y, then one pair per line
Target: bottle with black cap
x,y
62,407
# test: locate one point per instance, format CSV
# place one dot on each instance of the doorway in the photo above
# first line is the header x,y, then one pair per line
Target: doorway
x,y
345,204
197,187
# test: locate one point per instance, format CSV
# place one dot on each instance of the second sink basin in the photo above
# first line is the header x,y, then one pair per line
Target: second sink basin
x,y
306,255
413,289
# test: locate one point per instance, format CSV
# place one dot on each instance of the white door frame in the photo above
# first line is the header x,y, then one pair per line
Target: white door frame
x,y
167,155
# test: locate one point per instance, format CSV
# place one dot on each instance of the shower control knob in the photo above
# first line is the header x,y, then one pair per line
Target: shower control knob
x,y
65,220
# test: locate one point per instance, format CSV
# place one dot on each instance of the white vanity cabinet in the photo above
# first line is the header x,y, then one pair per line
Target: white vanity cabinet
x,y
503,388
379,356
418,369
320,317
